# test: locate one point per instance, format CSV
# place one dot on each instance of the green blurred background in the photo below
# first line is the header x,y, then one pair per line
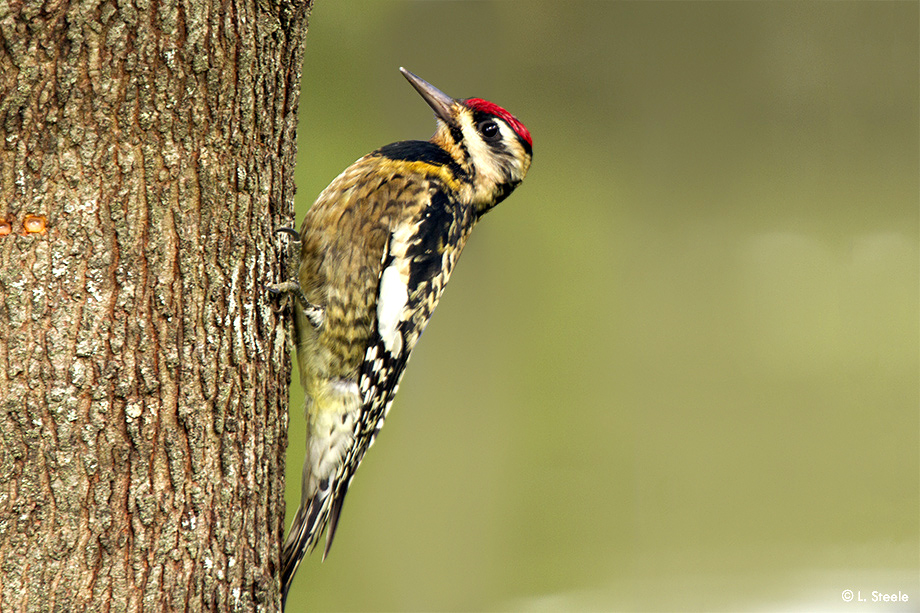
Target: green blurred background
x,y
678,368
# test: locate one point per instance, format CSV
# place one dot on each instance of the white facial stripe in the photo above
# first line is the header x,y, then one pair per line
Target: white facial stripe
x,y
479,151
493,167
508,135
483,158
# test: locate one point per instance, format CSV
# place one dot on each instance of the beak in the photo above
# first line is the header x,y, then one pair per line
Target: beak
x,y
440,102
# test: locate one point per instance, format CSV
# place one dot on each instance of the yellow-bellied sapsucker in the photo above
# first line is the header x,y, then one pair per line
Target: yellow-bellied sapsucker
x,y
378,247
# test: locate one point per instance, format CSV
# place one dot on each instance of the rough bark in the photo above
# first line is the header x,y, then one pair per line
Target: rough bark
x,y
146,159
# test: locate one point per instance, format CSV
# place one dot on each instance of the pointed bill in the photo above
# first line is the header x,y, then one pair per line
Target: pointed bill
x,y
436,99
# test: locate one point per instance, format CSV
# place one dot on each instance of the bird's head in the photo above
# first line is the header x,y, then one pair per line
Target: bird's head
x,y
488,142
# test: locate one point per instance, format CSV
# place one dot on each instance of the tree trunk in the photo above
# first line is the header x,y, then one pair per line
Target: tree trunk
x,y
146,160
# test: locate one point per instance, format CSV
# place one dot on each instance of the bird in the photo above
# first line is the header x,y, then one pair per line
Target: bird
x,y
375,252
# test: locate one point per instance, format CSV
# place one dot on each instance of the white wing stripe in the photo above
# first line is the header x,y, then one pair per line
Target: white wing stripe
x,y
394,295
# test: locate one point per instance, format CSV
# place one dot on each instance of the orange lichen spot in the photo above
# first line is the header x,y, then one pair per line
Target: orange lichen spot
x,y
5,227
34,224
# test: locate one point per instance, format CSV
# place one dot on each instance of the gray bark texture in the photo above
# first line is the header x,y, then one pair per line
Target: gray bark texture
x,y
146,160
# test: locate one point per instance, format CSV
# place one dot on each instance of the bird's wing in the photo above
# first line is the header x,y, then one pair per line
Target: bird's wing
x,y
416,265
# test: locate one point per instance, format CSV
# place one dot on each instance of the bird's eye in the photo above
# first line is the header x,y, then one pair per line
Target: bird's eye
x,y
488,128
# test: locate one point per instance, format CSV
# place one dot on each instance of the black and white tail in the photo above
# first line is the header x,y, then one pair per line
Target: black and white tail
x,y
304,532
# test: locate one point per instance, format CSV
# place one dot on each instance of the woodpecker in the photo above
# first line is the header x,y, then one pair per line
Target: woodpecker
x,y
376,250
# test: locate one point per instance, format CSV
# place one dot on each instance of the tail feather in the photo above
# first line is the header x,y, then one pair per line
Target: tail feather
x,y
335,510
306,527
